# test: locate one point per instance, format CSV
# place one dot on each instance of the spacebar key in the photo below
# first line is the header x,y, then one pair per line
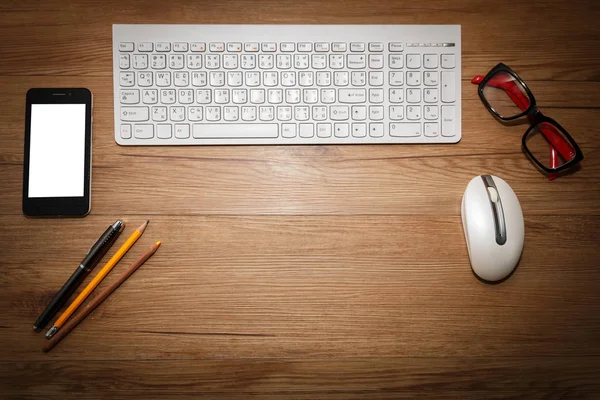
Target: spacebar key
x,y
235,131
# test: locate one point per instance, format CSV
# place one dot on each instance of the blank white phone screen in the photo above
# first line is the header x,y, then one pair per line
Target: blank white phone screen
x,y
57,150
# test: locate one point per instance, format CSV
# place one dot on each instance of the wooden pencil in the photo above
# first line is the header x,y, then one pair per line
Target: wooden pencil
x,y
71,324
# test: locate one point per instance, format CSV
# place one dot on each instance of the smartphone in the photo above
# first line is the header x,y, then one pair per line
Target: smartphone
x,y
58,152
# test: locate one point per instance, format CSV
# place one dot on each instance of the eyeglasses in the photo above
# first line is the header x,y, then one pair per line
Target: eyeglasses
x,y
548,144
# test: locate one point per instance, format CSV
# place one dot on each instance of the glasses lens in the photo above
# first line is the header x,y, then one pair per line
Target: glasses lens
x,y
506,95
549,146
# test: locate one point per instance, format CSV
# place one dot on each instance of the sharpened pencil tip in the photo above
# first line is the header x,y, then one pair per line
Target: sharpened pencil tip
x,y
142,227
158,243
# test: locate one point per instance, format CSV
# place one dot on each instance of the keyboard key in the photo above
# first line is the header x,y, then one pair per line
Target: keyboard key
x,y
359,113
405,129
203,96
145,131
376,78
396,95
124,61
358,78
356,47
180,47
213,113
287,47
251,47
430,78
430,95
125,131
126,79
319,61
301,61
356,61
130,96
323,78
338,47
284,61
311,96
306,130
248,61
221,96
376,129
249,113
266,113
216,47
230,113
163,47
376,46
324,130
341,130
216,78
252,79
339,113
145,46
234,78
352,95
177,113
341,78
430,61
413,112
431,129
159,113
448,87
176,61
284,113
198,46
126,46
321,47
448,123
292,96
158,61
359,130
182,131
269,46
376,96
327,96
336,61
235,131
305,78
413,78
134,114
301,113
413,95
305,47
195,113
448,61
239,96
265,61
288,78
257,96
376,113
396,113
319,113
396,78
234,47
186,96
150,96
212,61
163,131
396,47
275,96
230,61
376,61
413,61
430,112
194,61
144,78
396,61
181,78
288,130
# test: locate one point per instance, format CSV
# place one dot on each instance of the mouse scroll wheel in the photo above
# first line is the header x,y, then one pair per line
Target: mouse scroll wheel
x,y
493,193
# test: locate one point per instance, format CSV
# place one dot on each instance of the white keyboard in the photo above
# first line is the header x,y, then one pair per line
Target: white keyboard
x,y
286,84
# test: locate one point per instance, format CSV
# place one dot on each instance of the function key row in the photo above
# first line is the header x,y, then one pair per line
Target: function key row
x,y
255,47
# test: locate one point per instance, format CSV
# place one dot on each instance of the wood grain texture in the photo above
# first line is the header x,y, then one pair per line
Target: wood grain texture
x,y
309,272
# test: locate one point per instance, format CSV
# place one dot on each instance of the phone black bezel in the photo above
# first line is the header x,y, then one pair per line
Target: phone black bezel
x,y
58,206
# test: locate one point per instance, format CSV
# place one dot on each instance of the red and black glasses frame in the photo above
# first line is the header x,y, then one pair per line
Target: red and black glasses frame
x,y
561,144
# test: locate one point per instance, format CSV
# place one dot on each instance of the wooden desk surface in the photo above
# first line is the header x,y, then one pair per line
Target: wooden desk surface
x,y
309,272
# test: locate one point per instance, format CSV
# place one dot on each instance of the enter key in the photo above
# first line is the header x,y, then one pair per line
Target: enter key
x,y
448,121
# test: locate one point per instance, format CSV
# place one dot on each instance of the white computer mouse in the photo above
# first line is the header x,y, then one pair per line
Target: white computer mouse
x,y
494,227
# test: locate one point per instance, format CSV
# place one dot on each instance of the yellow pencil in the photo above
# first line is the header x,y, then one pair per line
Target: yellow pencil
x,y
96,281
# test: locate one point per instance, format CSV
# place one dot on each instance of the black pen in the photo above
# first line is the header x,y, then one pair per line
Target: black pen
x,y
92,258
